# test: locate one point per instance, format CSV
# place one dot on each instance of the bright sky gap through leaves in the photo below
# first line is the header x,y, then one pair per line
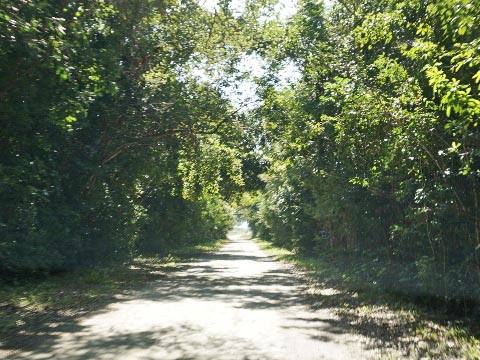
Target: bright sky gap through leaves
x,y
242,93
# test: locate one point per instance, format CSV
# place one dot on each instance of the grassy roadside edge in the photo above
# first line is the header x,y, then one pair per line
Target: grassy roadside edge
x,y
30,307
391,321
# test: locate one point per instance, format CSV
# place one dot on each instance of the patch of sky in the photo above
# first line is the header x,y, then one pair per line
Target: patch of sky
x,y
283,8
241,87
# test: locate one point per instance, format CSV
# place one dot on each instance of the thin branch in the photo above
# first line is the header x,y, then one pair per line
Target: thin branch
x,y
168,133
344,4
138,140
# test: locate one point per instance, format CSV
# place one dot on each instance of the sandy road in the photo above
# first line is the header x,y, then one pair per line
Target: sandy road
x,y
237,303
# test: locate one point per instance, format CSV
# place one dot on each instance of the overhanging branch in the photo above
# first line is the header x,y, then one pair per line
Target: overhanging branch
x,y
141,139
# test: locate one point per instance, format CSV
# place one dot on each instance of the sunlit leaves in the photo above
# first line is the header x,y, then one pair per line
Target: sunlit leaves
x,y
380,135
102,120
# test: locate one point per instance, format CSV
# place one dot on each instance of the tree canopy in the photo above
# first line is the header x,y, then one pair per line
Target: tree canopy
x,y
119,134
374,152
110,145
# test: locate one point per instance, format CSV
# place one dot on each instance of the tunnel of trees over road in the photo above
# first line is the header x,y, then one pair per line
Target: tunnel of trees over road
x,y
119,136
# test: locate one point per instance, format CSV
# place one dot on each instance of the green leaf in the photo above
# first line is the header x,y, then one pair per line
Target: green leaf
x,y
476,77
448,111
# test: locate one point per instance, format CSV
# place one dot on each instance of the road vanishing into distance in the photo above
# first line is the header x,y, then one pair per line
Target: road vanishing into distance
x,y
236,303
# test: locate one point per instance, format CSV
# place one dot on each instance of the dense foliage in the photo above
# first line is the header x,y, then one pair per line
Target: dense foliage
x,y
109,144
375,152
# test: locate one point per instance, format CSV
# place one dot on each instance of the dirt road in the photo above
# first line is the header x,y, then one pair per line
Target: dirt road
x,y
237,303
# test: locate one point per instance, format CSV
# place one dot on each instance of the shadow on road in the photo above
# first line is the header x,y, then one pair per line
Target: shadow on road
x,y
239,290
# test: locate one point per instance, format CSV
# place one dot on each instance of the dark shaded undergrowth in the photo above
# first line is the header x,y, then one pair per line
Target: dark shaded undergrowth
x,y
401,321
35,309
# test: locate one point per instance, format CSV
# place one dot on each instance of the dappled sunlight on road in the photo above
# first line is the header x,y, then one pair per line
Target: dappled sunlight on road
x,y
237,303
